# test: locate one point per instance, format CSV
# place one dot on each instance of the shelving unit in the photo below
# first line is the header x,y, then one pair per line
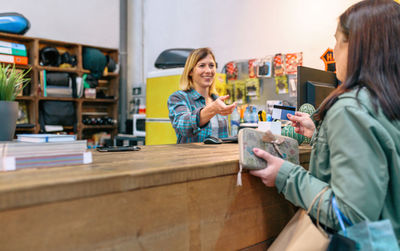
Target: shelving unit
x,y
33,93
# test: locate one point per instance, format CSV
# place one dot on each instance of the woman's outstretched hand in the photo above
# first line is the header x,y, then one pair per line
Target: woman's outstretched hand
x,y
302,124
221,108
267,175
216,107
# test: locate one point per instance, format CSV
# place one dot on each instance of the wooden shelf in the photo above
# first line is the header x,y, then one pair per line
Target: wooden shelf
x,y
57,98
99,126
24,98
99,100
31,130
12,37
34,97
110,74
50,42
51,68
18,66
86,100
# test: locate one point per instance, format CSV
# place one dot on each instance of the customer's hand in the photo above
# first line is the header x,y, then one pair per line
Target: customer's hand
x,y
221,108
302,123
267,175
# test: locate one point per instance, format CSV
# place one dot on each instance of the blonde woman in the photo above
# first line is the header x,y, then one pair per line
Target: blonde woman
x,y
196,111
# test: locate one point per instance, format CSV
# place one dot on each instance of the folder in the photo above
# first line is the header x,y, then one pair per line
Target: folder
x,y
12,45
13,59
12,51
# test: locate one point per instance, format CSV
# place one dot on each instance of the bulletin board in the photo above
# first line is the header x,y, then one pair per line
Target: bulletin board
x,y
254,81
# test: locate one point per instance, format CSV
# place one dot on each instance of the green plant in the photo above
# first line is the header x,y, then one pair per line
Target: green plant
x,y
12,82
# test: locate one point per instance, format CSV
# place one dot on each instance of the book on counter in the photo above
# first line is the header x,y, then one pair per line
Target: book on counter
x,y
23,149
16,155
44,138
12,163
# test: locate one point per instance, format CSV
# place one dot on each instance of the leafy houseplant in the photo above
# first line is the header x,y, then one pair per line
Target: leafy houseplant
x,y
12,82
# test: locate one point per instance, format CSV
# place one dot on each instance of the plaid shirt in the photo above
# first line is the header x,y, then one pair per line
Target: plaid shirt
x,y
184,113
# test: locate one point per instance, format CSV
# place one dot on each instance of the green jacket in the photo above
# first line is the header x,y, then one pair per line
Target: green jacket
x,y
356,152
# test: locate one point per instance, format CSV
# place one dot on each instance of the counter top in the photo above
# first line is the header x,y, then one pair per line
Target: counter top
x,y
119,172
165,197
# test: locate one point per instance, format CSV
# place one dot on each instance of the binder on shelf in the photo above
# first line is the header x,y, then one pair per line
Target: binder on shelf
x,y
12,45
13,59
12,51
44,138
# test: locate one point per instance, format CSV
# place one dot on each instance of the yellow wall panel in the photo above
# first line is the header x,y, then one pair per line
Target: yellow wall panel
x,y
157,92
161,133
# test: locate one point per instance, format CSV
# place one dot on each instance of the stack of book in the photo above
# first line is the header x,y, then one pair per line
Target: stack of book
x,y
13,53
43,152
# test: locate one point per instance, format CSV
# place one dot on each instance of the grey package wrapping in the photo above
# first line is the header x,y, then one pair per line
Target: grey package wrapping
x,y
277,145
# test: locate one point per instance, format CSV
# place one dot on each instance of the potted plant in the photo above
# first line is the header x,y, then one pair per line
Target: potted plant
x,y
12,82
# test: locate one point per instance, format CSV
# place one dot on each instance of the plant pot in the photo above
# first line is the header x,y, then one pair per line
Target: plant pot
x,y
9,115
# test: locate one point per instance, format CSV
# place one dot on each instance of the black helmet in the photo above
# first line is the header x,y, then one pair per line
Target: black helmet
x,y
67,58
49,56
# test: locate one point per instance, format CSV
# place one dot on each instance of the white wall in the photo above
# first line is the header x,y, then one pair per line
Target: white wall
x,y
234,29
92,22
241,29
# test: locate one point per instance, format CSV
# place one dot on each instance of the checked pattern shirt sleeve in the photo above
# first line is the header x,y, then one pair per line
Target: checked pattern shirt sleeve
x,y
184,112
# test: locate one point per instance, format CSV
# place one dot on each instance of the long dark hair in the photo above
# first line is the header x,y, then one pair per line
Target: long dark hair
x,y
372,29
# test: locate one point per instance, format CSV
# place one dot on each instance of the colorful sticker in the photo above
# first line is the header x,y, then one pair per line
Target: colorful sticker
x,y
252,72
264,67
230,90
281,85
240,92
292,60
253,88
279,66
231,71
220,87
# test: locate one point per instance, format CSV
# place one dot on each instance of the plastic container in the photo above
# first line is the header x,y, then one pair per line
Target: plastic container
x,y
235,121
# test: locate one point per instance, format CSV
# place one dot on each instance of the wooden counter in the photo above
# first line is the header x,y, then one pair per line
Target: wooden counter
x,y
166,197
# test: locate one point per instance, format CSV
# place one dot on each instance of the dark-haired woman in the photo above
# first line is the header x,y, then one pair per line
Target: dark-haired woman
x,y
356,130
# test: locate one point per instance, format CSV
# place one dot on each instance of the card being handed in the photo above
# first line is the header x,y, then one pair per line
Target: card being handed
x,y
281,111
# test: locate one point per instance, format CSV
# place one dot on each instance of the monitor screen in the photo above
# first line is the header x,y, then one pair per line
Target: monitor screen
x,y
313,85
317,92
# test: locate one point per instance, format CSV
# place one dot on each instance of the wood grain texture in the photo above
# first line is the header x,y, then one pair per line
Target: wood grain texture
x,y
118,172
175,197
208,214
